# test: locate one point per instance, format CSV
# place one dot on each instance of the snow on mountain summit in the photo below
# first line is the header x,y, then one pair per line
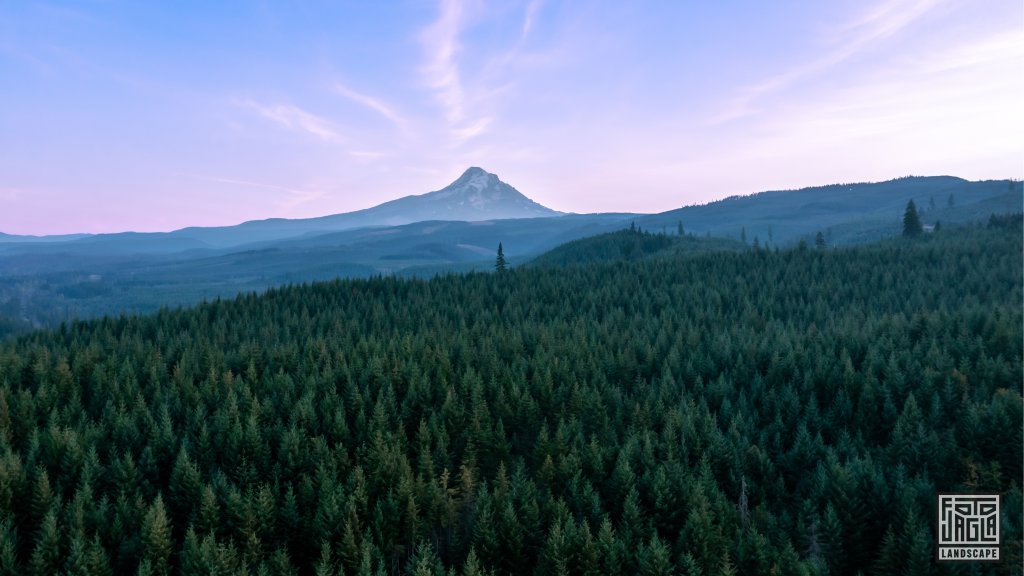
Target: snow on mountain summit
x,y
480,195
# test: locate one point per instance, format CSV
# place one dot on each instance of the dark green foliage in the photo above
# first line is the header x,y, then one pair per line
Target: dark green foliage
x,y
631,245
911,221
1010,221
499,262
733,412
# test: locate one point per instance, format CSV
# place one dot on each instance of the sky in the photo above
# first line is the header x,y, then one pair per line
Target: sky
x,y
148,116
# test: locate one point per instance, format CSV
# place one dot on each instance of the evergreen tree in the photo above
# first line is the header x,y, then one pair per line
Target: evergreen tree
x,y
499,262
911,221
9,565
819,240
46,557
655,559
156,538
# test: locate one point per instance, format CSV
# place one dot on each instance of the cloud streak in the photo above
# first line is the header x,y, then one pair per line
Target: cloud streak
x,y
295,196
375,104
883,20
441,41
460,101
530,17
296,119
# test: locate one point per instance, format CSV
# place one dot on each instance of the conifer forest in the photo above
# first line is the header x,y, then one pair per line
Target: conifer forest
x,y
739,411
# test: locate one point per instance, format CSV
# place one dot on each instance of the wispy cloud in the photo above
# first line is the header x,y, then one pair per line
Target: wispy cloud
x,y
473,129
881,21
461,102
531,14
441,41
294,196
296,119
375,104
1007,46
913,115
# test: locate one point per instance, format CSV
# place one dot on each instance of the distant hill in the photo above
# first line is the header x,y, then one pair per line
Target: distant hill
x,y
29,239
631,245
846,213
47,287
45,280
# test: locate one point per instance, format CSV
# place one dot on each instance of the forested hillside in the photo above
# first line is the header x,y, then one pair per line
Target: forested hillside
x,y
751,412
632,244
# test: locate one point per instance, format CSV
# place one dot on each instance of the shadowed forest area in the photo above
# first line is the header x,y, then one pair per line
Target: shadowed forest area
x,y
728,412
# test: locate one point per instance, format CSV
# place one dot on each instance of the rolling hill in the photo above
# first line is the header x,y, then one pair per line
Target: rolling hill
x,y
45,280
847,213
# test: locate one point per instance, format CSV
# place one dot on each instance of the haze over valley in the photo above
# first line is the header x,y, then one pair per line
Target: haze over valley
x,y
48,280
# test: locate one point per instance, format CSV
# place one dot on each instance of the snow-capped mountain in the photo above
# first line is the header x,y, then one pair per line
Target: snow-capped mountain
x,y
476,195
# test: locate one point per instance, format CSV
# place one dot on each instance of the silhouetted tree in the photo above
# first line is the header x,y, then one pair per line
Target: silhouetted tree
x,y
499,262
911,221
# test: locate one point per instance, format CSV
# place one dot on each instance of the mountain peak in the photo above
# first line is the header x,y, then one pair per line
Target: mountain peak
x,y
475,178
479,195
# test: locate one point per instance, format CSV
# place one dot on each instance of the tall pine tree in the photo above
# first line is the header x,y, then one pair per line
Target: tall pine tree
x,y
499,262
911,221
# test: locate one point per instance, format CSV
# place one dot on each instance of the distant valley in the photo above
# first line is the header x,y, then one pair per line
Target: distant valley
x,y
47,280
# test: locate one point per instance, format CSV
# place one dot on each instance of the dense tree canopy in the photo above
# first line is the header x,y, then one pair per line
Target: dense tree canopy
x,y
750,412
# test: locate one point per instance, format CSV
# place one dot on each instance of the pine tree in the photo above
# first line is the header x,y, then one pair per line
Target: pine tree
x,y
608,547
8,549
911,221
325,565
655,558
819,240
156,538
499,262
46,557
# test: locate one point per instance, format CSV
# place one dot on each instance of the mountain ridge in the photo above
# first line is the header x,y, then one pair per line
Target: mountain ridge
x,y
476,195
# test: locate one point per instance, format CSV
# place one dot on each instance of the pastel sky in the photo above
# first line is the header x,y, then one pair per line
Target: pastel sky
x,y
124,115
